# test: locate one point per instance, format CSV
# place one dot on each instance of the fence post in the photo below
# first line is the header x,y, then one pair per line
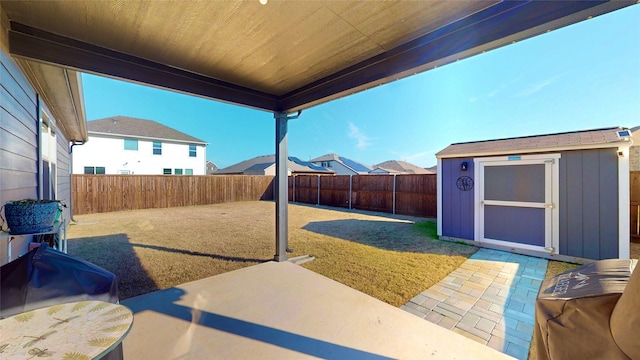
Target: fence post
x,y
318,190
350,190
394,194
293,180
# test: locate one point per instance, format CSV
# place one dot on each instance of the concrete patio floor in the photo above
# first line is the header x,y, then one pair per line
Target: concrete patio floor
x,y
281,310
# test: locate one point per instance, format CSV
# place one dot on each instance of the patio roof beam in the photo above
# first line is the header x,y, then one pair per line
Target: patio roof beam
x,y
42,46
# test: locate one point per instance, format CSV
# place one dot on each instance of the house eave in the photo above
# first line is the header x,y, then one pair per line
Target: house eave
x,y
61,90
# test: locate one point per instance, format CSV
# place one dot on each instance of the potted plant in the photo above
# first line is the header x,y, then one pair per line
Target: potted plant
x,y
30,216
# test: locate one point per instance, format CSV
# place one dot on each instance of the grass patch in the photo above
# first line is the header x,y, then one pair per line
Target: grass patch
x,y
379,254
427,228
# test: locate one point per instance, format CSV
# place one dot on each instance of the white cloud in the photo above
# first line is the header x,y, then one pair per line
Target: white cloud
x,y
537,87
362,140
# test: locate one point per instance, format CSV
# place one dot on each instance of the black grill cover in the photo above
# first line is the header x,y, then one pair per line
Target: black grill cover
x,y
45,277
573,311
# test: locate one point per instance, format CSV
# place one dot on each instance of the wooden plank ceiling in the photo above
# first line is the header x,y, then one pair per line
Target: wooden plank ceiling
x,y
282,56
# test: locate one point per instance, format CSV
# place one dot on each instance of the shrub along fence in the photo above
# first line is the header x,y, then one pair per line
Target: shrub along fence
x,y
400,194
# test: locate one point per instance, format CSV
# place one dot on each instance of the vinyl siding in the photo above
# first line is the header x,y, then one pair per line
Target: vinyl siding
x,y
18,134
19,125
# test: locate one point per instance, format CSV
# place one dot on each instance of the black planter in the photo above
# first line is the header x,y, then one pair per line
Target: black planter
x,y
28,217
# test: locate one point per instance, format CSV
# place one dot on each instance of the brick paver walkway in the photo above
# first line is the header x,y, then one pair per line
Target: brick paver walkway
x,y
490,298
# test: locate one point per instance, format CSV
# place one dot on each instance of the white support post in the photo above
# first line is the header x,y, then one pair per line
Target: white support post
x,y
624,231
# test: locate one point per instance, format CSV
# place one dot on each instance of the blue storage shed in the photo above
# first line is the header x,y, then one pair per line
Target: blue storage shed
x,y
563,196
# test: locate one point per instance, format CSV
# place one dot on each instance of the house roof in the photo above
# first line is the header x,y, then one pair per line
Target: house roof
x,y
596,138
127,126
263,162
351,164
381,169
282,56
396,166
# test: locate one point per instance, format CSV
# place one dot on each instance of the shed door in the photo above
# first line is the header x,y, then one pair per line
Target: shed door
x,y
516,203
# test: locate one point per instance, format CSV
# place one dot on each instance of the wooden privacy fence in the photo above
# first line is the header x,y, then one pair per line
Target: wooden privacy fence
x,y
401,194
398,194
105,193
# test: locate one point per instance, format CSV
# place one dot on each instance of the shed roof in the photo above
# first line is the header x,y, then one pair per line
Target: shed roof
x,y
128,126
595,138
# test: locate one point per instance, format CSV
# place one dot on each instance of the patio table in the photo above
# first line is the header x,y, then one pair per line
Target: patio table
x,y
78,330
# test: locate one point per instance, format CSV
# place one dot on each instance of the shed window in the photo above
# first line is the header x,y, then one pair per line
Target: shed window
x,y
192,150
131,144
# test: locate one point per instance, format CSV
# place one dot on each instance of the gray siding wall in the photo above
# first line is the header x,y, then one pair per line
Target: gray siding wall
x,y
19,123
63,171
589,204
457,205
18,134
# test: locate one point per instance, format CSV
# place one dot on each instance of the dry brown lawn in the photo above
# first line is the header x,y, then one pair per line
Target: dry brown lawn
x,y
380,254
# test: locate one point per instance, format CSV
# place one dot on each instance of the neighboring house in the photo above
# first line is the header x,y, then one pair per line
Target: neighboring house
x,y
211,167
42,113
398,167
562,196
341,165
433,169
266,165
127,146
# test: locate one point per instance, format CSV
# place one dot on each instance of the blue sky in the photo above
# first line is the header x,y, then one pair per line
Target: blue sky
x,y
579,77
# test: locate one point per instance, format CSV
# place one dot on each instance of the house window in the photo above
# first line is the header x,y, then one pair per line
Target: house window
x,y
192,150
188,171
100,170
157,148
131,144
326,164
166,171
177,171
